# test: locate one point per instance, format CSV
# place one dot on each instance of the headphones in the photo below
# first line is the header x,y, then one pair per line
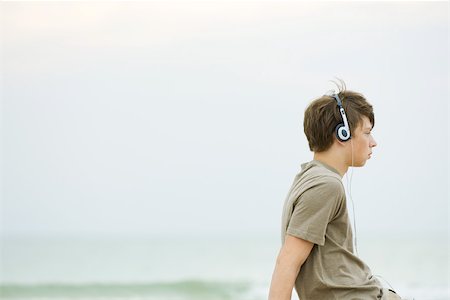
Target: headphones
x,y
342,129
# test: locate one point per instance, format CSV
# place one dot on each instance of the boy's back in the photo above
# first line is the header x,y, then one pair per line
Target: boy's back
x,y
315,210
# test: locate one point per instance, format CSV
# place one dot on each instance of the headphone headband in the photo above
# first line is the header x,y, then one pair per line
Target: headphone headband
x,y
336,96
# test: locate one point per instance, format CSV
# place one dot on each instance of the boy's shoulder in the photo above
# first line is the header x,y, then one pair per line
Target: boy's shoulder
x,y
315,177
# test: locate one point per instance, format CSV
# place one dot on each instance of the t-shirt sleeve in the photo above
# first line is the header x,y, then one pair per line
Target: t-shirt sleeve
x,y
315,208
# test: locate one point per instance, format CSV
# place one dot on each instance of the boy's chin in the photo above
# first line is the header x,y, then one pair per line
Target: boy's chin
x,y
359,164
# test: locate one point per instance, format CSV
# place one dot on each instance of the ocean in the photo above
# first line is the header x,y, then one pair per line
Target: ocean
x,y
196,268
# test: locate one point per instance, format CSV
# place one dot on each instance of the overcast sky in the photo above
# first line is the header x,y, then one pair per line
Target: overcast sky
x,y
185,118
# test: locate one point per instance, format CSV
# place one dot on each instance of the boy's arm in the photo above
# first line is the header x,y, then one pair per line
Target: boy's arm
x,y
289,261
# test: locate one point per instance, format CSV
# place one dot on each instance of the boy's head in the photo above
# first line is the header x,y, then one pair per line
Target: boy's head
x,y
322,116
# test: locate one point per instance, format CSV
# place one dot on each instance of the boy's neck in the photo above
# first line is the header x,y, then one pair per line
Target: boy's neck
x,y
334,162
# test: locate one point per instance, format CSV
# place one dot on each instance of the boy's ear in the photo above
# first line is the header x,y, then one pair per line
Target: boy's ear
x,y
339,142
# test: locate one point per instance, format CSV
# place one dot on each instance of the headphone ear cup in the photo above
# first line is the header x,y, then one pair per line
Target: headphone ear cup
x,y
342,133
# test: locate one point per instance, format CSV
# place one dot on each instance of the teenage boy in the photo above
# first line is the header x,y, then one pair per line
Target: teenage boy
x,y
317,255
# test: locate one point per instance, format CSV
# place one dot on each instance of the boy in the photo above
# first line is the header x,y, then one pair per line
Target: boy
x,y
317,242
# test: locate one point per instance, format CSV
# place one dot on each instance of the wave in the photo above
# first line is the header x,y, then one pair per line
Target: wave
x,y
180,290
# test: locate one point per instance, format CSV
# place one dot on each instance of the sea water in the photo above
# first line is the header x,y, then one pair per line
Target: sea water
x,y
187,268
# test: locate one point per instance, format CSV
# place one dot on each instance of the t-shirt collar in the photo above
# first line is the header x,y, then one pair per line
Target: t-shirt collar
x,y
326,166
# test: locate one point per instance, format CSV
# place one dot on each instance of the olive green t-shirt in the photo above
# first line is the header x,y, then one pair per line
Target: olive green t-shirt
x,y
315,210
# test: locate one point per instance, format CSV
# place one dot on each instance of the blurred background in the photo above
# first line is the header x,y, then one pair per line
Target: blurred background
x,y
147,147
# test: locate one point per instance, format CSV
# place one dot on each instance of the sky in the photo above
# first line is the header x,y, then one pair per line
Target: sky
x,y
185,118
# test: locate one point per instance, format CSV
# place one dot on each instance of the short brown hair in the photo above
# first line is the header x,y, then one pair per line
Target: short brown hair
x,y
322,116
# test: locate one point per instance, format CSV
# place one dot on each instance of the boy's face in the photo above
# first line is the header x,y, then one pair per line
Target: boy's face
x,y
363,142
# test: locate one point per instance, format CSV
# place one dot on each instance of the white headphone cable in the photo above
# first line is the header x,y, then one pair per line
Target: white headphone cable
x,y
349,183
